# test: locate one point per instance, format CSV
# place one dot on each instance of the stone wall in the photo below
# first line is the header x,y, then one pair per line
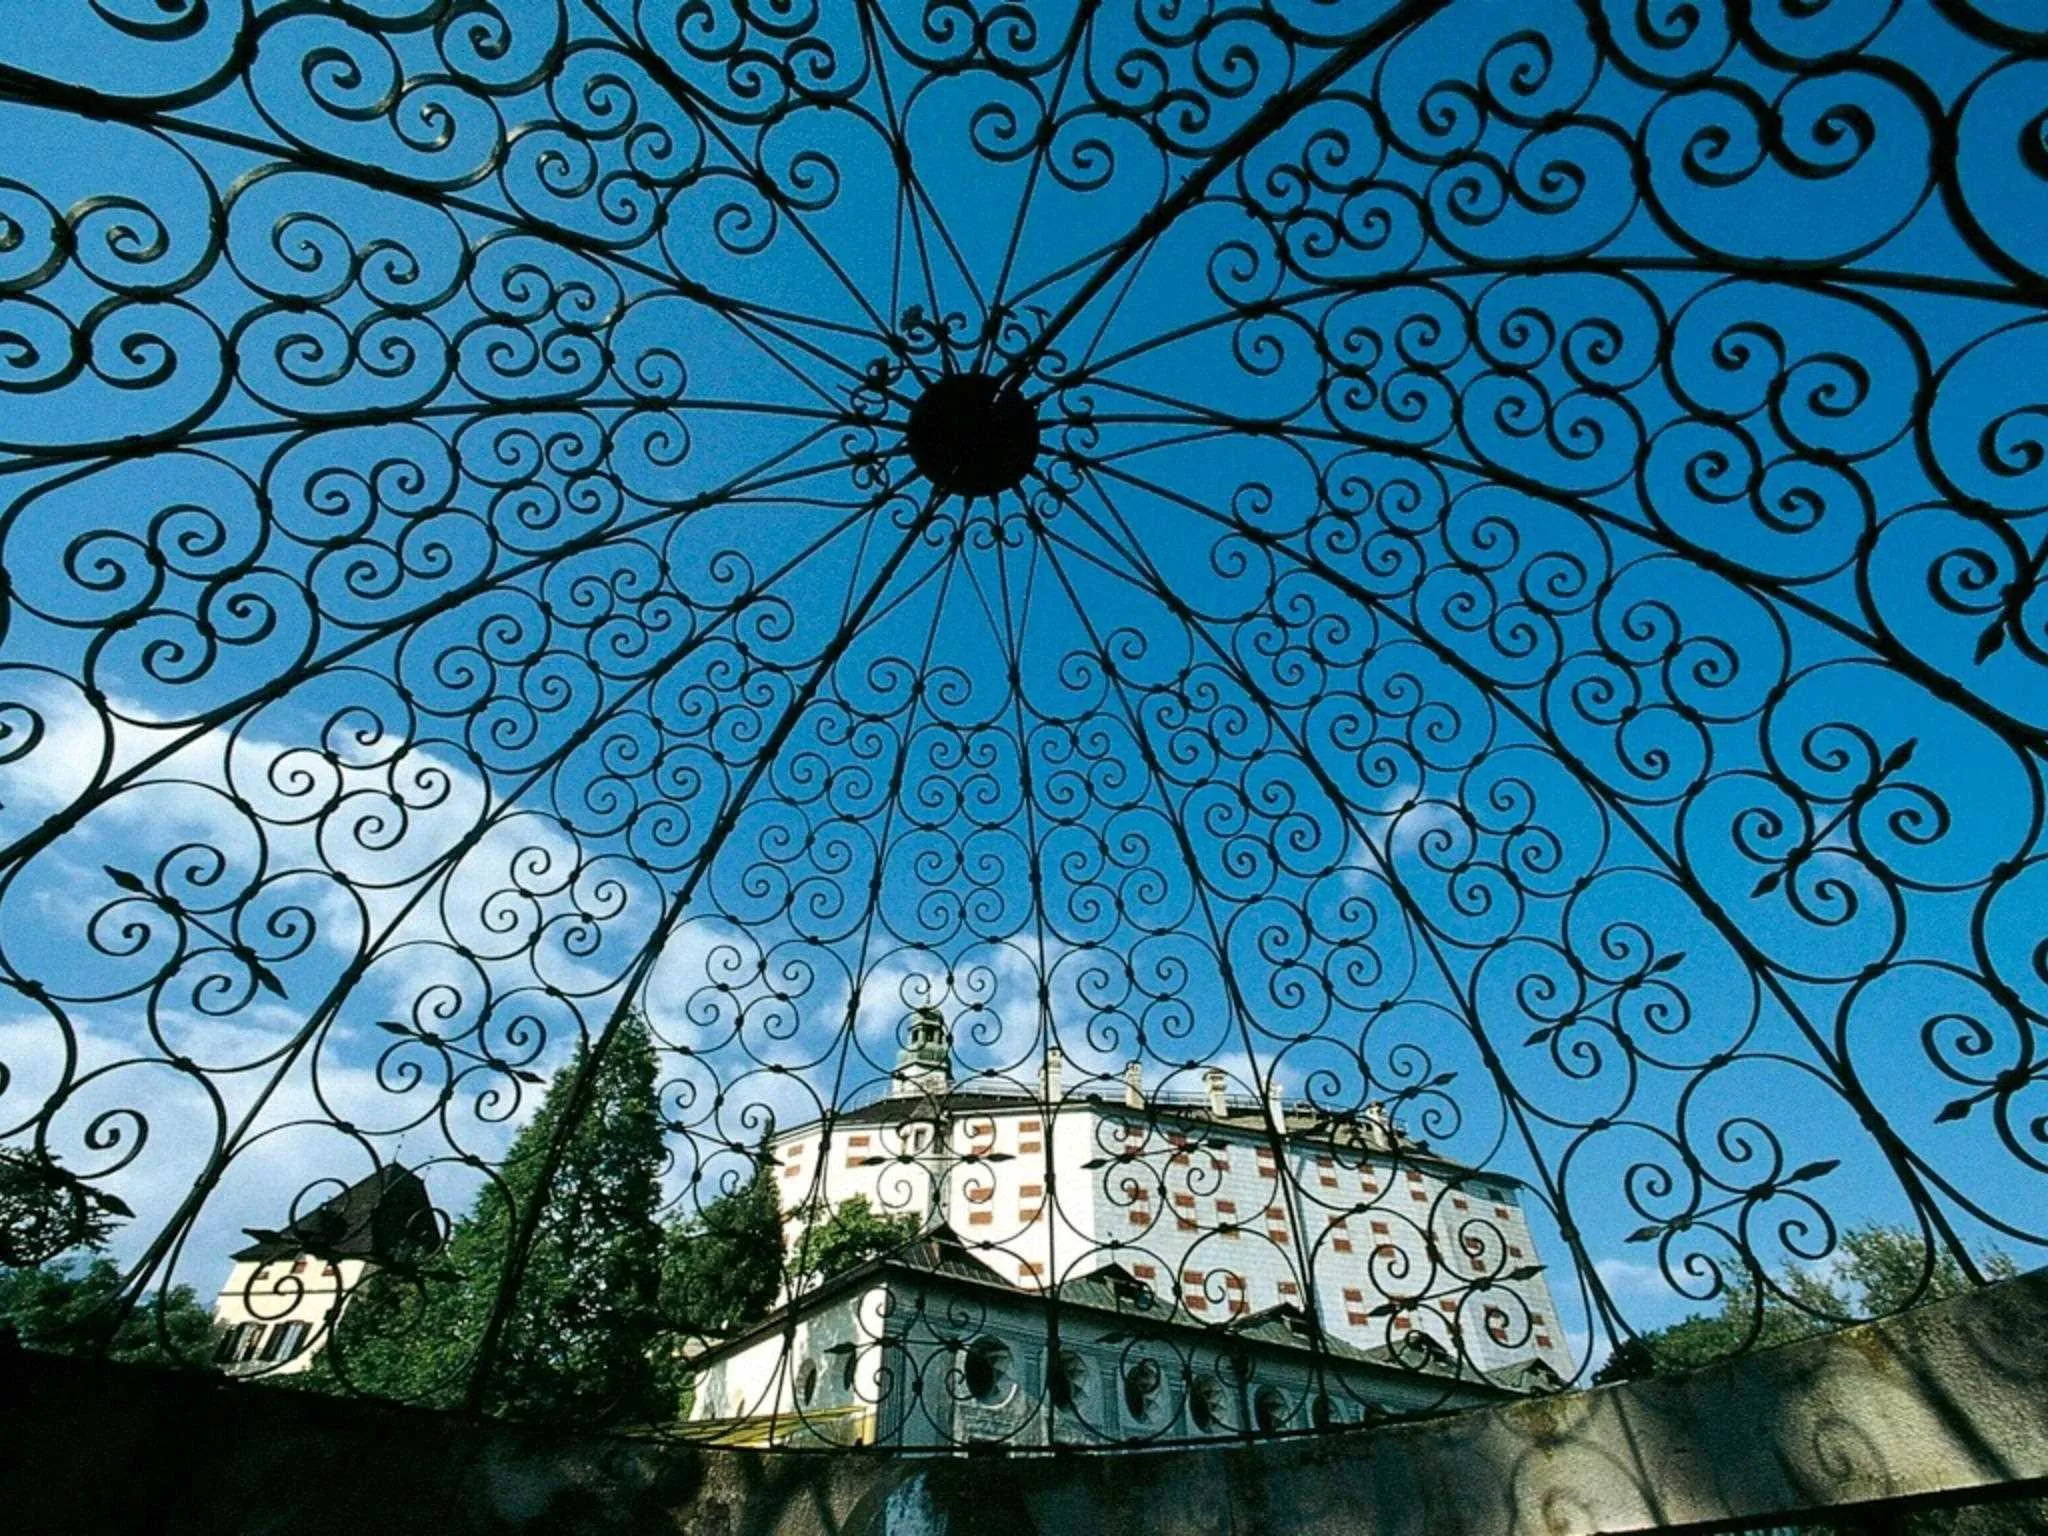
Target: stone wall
x,y
1944,1401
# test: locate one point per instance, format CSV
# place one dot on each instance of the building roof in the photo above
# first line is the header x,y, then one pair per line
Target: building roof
x,y
1347,1133
382,1217
1111,1289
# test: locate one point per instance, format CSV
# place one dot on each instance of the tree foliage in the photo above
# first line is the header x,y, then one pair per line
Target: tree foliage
x,y
722,1271
69,1307
854,1233
1880,1270
579,1337
46,1210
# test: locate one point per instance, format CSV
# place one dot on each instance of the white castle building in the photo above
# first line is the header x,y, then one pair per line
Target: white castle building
x,y
1124,1265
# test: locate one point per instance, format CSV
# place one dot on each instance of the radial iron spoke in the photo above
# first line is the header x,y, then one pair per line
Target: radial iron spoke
x,y
1271,116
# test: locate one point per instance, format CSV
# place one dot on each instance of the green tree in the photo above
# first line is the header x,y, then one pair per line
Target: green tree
x,y
46,1210
579,1339
722,1270
854,1233
1880,1270
69,1307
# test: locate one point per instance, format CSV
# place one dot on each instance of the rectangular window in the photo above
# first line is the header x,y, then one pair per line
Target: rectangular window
x,y
1500,1213
286,1340
1414,1177
1184,1200
234,1342
1030,1146
1514,1252
1352,1293
1543,1341
1226,1207
1380,1228
1144,1271
1032,1191
980,1218
856,1141
1289,1288
1140,1219
1026,1127
1341,1244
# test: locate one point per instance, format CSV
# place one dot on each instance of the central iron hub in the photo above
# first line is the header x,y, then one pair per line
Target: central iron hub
x,y
970,437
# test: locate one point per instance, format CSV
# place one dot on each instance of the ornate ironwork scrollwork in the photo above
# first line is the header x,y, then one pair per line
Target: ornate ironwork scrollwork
x,y
1479,573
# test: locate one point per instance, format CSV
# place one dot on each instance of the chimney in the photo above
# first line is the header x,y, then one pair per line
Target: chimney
x,y
1216,1084
1134,1084
1276,1102
1049,1074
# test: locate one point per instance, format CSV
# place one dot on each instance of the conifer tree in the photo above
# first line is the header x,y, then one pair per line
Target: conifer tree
x,y
579,1339
722,1270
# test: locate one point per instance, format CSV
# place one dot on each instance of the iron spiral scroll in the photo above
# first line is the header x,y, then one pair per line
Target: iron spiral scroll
x,y
1477,564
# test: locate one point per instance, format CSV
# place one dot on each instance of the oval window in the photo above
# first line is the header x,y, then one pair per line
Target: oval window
x,y
1069,1380
1141,1388
1205,1404
1269,1410
986,1370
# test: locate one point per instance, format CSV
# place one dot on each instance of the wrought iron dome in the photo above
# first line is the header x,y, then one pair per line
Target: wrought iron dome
x,y
1475,569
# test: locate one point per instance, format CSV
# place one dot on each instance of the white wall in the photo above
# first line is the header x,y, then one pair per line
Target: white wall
x,y
267,1297
1166,1213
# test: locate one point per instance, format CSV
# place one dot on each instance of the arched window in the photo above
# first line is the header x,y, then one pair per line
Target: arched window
x,y
1142,1382
986,1370
1320,1413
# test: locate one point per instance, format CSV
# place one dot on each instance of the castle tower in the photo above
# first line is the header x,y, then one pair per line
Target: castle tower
x,y
925,1064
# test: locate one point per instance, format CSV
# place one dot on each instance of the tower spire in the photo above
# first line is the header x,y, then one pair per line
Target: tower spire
x,y
925,1064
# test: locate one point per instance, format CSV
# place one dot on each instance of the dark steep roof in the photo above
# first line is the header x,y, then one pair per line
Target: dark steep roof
x,y
384,1218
